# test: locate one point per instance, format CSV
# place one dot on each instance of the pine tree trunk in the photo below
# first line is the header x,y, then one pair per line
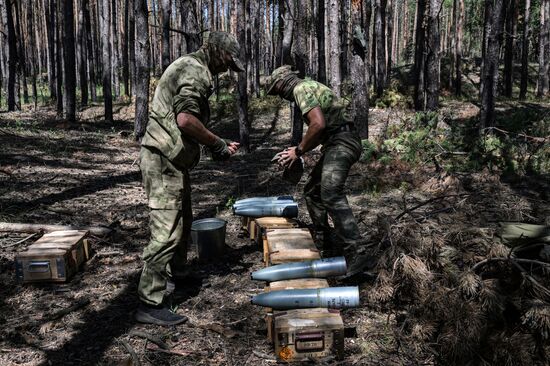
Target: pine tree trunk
x,y
288,27
115,54
458,32
359,70
489,73
166,13
256,46
300,61
33,53
22,58
390,29
132,46
380,79
433,56
244,124
419,57
191,25
125,49
106,59
12,56
141,87
321,60
525,51
154,38
83,70
59,59
511,28
334,49
90,50
50,30
69,57
542,83
280,33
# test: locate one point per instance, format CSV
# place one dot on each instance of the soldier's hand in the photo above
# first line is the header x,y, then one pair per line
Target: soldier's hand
x,y
287,157
233,147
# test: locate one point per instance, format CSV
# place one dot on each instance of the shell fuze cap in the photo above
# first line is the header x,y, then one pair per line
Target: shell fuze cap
x,y
277,75
227,42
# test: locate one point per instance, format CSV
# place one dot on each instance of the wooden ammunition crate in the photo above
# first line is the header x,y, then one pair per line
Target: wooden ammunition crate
x,y
56,256
43,264
289,245
304,334
74,241
289,285
262,224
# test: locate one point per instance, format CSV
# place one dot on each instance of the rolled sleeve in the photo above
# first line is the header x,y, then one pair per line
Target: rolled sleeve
x,y
187,100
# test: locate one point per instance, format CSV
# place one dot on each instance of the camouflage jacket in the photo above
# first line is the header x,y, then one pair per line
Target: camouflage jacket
x,y
185,86
310,94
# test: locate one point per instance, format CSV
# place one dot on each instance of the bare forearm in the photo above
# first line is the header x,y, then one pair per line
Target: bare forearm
x,y
192,127
315,130
312,138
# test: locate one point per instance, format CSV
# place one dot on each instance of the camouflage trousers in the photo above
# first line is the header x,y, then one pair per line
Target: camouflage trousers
x,y
325,197
169,198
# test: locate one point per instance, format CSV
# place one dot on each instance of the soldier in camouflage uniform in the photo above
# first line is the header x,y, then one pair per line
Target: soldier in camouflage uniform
x,y
170,148
330,125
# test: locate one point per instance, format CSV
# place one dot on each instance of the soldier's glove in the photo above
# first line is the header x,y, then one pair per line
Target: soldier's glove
x,y
220,151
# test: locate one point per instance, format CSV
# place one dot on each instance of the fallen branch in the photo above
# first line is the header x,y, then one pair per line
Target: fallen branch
x,y
135,358
220,329
149,337
407,211
23,240
504,259
527,137
35,228
61,313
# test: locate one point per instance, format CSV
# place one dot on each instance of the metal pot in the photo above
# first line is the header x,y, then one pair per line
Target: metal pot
x,y
209,237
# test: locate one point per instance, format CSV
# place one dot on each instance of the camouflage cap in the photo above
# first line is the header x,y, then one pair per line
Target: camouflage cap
x,y
278,74
227,42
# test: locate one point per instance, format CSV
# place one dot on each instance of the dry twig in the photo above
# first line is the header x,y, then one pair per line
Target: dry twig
x,y
135,358
149,337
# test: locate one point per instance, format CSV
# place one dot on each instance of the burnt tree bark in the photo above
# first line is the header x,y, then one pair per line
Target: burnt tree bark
x,y
511,30
50,31
12,56
489,73
380,66
244,124
321,59
419,57
433,57
166,12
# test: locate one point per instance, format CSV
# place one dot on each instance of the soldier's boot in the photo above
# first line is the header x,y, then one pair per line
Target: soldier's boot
x,y
359,259
159,315
327,243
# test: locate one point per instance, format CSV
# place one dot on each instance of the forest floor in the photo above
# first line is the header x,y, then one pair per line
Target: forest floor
x,y
88,174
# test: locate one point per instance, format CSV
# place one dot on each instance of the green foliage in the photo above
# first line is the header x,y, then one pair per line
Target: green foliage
x,y
390,98
369,150
230,202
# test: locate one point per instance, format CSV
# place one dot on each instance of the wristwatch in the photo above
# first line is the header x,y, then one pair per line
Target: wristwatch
x,y
298,151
